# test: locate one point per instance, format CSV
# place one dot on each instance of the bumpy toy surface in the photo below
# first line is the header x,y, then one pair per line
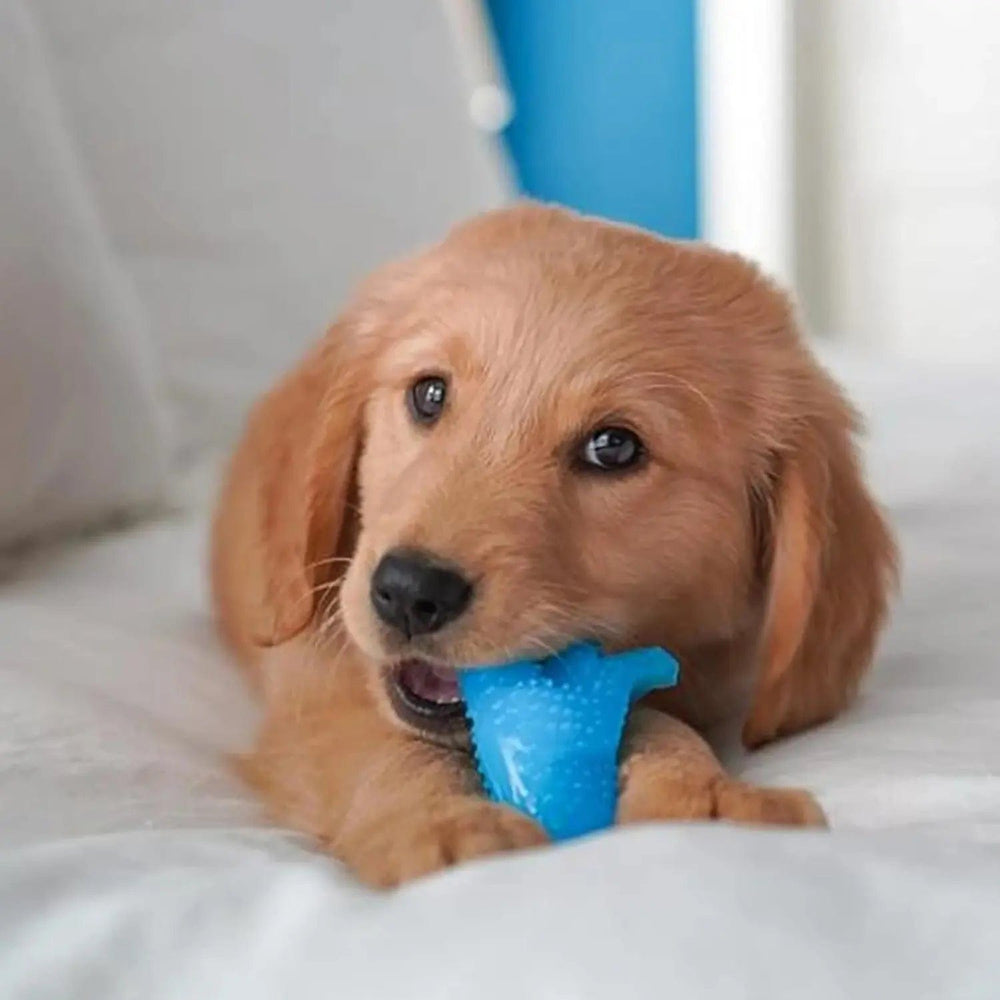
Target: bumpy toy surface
x,y
546,733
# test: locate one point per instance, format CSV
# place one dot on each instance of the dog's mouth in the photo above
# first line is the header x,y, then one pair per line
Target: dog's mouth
x,y
426,696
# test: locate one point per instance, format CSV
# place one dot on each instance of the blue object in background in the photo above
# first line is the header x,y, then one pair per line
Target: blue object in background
x,y
546,734
605,98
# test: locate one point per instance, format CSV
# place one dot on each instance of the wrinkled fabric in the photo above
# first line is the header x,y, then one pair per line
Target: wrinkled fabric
x,y
82,425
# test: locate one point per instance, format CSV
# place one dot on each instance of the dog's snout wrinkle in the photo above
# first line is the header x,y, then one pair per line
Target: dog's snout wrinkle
x,y
416,593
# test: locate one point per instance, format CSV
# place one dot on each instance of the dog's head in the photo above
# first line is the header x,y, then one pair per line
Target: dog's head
x,y
550,428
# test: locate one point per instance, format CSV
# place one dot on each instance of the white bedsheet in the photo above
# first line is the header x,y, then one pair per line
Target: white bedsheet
x,y
132,864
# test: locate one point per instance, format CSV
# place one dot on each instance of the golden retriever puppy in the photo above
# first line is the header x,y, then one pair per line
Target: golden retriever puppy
x,y
546,428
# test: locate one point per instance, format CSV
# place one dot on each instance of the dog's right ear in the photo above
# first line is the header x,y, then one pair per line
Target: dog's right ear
x,y
283,506
831,569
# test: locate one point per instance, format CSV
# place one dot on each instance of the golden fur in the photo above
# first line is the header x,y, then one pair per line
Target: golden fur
x,y
747,544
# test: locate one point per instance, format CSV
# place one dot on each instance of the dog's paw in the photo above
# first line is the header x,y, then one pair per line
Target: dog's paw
x,y
406,847
743,803
660,794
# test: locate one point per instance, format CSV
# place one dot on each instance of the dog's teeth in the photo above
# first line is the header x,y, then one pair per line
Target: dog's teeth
x,y
430,682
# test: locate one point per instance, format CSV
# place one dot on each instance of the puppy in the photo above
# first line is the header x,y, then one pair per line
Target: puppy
x,y
546,428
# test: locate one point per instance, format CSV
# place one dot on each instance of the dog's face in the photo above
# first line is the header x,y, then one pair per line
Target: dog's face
x,y
544,459
549,428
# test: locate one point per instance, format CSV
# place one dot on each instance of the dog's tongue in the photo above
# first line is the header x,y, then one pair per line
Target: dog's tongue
x,y
436,684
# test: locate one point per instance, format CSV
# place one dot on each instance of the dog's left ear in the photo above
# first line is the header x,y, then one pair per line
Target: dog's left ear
x,y
830,564
285,503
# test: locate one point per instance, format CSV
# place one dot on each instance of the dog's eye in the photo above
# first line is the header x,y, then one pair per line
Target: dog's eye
x,y
426,398
611,449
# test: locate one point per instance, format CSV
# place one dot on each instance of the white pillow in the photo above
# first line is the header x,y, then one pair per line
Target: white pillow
x,y
253,160
81,436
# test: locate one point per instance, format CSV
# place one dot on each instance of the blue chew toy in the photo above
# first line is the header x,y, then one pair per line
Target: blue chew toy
x,y
546,734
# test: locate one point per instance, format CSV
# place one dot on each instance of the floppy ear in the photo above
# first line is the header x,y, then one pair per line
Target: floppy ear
x,y
830,565
284,505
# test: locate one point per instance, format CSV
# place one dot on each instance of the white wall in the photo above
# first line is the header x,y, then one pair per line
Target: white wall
x,y
898,173
745,120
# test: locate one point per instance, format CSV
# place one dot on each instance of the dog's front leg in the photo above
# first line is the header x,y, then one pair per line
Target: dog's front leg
x,y
668,772
390,805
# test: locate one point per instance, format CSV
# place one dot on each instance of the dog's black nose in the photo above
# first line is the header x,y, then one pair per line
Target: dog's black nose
x,y
415,593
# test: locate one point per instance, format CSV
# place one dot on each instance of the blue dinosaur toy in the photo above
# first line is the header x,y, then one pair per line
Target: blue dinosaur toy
x,y
546,733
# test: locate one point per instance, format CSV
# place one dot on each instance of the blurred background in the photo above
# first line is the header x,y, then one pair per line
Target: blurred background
x,y
239,164
852,146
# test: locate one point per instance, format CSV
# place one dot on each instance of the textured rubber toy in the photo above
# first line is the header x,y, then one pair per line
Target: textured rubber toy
x,y
546,734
